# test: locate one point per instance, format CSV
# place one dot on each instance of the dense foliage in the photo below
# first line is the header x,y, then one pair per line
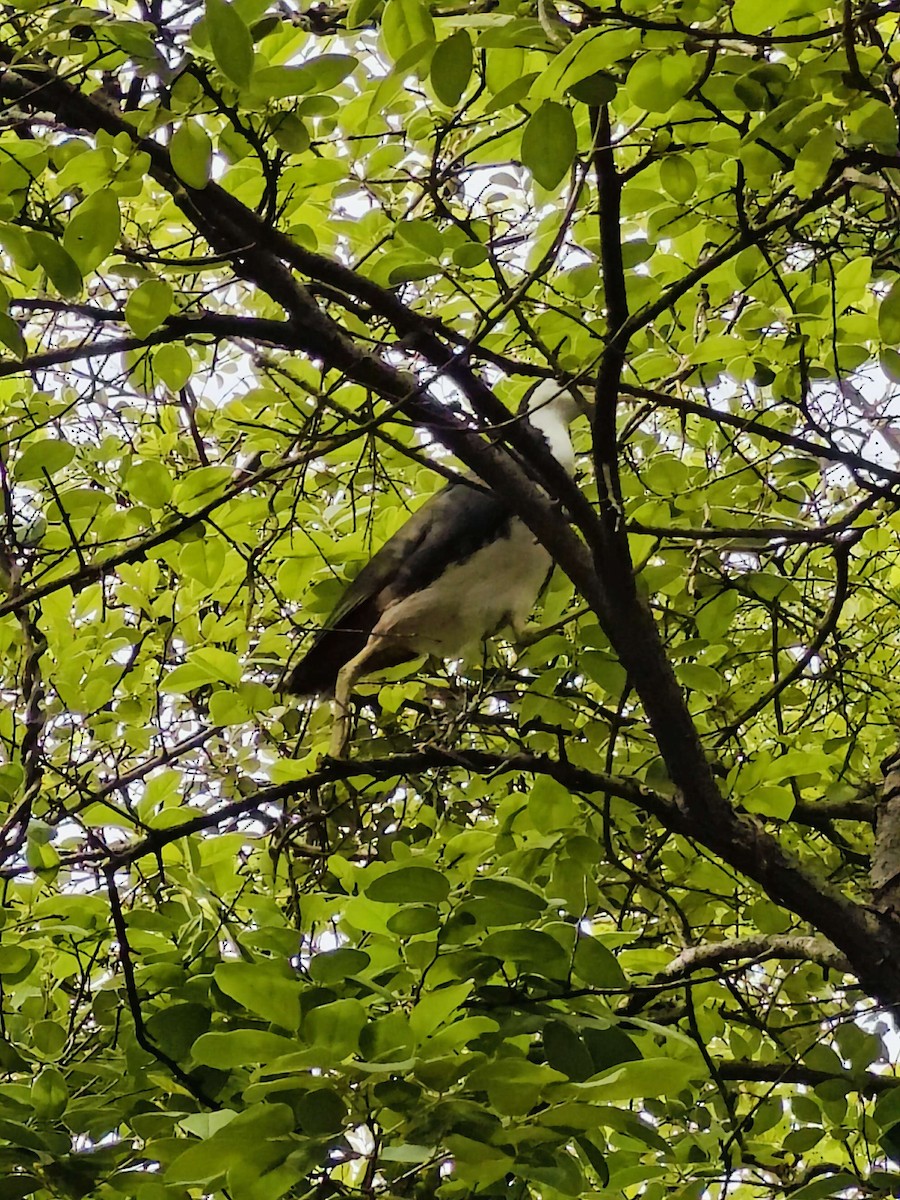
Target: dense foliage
x,y
593,916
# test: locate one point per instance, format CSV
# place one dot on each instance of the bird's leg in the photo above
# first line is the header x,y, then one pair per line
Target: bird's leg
x,y
343,689
340,728
530,632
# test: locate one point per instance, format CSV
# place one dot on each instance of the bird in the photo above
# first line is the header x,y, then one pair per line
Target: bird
x,y
462,568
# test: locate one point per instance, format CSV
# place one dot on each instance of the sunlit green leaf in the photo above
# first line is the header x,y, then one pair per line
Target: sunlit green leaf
x,y
61,268
230,40
657,81
191,153
678,177
239,1047
148,306
406,24
92,232
149,483
41,458
407,884
315,75
549,143
451,67
262,989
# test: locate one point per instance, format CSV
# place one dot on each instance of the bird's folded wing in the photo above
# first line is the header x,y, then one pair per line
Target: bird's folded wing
x,y
449,528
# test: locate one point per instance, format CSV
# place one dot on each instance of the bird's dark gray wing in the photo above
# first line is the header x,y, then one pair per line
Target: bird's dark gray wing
x,y
449,528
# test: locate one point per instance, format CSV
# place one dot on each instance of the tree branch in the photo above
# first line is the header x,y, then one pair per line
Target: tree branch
x,y
134,1001
866,1083
784,946
750,425
671,813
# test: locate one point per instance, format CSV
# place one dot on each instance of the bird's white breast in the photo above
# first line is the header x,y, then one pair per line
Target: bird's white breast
x,y
498,585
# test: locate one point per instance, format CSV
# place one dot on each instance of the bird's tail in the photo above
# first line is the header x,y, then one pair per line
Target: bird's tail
x,y
316,673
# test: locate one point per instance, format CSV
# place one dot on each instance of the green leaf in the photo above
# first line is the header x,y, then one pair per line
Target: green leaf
x,y
776,802
291,134
174,366
595,89
521,901
18,245
813,163
414,919
360,11
700,678
821,1189
405,25
333,966
640,1080
585,55
451,68
319,74
185,679
49,1038
678,177
203,560
61,268
658,81
549,144
206,665
226,708
409,884
199,486
889,316
321,1111
565,1051
423,235
230,40
49,1094
389,1039
190,151
515,91
715,617
148,306
755,16
92,232
470,255
149,483
239,1047
249,1135
333,1030
887,1110
13,959
550,806
263,989
14,1187
667,474
609,1048
434,1009
43,457
527,948
409,271
595,1158
595,964
11,336
513,1085
206,1124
